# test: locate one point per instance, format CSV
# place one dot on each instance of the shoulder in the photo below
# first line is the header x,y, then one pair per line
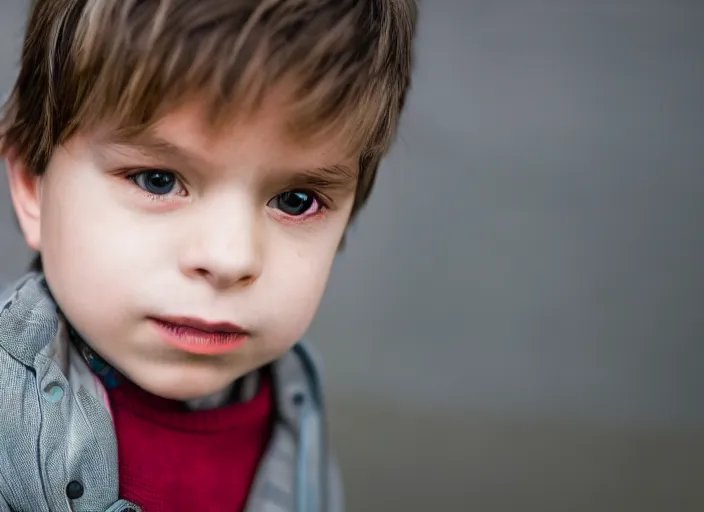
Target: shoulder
x,y
8,291
30,292
28,321
28,318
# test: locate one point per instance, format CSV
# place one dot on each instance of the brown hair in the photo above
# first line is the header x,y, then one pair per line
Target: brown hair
x,y
129,61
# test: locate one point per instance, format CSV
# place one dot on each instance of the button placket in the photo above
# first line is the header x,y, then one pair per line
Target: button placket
x,y
54,393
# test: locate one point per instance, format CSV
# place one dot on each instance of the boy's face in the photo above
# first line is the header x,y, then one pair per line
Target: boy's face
x,y
188,258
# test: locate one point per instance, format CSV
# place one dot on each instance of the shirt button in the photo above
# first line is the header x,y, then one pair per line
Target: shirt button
x,y
298,398
74,490
54,393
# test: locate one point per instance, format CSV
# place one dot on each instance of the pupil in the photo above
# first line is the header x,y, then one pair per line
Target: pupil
x,y
160,183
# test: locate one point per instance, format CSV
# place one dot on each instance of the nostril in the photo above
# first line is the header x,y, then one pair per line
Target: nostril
x,y
247,280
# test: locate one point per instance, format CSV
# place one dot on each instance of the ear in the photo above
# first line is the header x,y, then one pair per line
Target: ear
x,y
25,194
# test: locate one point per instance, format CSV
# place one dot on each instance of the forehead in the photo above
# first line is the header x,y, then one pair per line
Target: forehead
x,y
263,137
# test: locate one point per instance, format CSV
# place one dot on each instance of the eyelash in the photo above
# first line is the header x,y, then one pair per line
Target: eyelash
x,y
321,203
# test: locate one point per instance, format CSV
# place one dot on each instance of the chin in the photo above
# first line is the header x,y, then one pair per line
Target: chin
x,y
181,388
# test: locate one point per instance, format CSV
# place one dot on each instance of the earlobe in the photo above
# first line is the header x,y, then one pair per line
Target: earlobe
x,y
25,194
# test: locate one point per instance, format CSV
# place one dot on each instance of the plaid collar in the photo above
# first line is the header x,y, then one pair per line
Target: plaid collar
x,y
110,376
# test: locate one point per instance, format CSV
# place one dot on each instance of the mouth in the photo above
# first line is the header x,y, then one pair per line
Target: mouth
x,y
198,336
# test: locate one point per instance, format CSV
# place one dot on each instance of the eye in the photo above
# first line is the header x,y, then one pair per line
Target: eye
x,y
158,182
296,203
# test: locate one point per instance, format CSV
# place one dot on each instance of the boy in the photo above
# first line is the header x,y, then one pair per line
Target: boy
x,y
186,171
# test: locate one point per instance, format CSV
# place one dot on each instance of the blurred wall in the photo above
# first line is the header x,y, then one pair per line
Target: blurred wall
x,y
517,318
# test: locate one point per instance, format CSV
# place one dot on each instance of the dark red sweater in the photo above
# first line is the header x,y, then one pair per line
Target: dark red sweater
x,y
172,459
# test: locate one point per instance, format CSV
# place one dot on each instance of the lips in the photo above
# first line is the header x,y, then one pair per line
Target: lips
x,y
199,336
202,325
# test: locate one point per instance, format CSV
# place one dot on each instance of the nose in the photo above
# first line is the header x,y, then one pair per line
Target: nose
x,y
224,248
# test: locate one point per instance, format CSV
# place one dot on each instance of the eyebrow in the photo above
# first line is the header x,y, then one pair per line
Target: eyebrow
x,y
336,176
151,146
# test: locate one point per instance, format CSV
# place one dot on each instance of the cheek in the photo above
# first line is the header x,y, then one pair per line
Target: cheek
x,y
293,289
87,245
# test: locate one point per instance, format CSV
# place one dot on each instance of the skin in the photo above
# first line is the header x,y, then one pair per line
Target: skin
x,y
217,247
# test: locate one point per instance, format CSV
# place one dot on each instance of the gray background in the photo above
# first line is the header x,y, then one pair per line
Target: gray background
x,y
516,321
